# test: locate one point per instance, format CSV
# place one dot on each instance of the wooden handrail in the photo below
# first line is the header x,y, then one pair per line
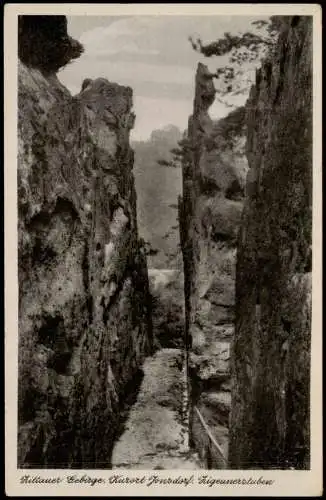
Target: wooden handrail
x,y
210,435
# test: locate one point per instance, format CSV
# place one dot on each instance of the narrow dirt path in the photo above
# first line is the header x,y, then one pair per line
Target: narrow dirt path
x,y
155,435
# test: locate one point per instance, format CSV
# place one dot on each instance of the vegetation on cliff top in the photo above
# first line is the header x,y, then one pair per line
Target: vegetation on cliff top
x,y
244,52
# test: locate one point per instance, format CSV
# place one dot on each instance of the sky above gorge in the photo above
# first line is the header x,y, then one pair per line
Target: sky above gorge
x,y
151,54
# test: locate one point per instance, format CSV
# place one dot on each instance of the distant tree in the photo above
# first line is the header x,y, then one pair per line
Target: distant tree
x,y
244,53
175,160
164,163
179,155
149,250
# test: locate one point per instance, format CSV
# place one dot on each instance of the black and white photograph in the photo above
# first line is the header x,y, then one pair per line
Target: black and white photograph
x,y
165,177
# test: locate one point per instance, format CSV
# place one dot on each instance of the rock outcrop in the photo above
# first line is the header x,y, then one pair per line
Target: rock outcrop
x,y
84,309
271,354
214,172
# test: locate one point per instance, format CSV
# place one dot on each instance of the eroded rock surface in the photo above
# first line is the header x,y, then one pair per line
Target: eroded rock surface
x,y
271,355
84,318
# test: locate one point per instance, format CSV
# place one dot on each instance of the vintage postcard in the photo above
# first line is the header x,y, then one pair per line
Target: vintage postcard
x,y
163,248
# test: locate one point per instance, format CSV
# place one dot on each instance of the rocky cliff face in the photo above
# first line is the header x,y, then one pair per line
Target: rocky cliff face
x,y
84,319
271,355
213,190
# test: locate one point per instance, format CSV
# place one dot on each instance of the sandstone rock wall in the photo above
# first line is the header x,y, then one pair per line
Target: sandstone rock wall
x,y
84,318
271,355
210,210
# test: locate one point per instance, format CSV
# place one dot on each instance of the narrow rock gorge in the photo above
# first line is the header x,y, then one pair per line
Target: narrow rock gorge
x,y
245,217
84,308
150,322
